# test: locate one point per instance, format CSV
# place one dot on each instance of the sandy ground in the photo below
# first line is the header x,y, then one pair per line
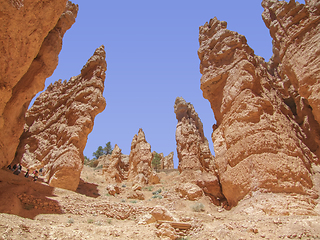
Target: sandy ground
x,y
34,210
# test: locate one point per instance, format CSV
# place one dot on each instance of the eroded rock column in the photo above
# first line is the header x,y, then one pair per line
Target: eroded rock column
x,y
256,145
31,39
58,124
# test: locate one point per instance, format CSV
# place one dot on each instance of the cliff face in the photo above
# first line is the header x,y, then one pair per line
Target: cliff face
x,y
31,39
295,63
259,145
58,123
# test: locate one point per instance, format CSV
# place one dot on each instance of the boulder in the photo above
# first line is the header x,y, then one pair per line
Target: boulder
x,y
190,191
31,40
58,124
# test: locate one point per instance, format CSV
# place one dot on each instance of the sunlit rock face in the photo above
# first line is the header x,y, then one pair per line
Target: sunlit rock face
x,y
192,146
140,170
261,135
58,123
30,40
196,163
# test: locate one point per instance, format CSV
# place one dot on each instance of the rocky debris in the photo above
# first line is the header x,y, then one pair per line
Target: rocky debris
x,y
113,171
31,40
161,213
190,191
137,194
58,123
140,170
192,146
113,189
166,231
294,28
257,144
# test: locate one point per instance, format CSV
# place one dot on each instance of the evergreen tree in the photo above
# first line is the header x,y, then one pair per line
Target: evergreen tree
x,y
108,148
98,153
156,161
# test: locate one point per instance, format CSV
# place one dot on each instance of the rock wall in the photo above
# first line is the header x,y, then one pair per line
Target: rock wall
x,y
58,123
295,30
192,146
258,144
31,39
140,170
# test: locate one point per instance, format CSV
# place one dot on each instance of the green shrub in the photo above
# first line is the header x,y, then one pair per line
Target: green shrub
x,y
157,192
197,207
90,221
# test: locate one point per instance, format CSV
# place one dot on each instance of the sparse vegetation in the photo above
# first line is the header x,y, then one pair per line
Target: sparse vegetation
x,y
149,188
157,192
197,207
90,220
103,151
157,196
109,221
133,201
156,162
70,220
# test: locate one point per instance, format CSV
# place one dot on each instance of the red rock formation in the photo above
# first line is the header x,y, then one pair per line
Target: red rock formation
x,y
167,161
196,163
140,170
115,172
295,29
31,39
192,146
58,123
257,144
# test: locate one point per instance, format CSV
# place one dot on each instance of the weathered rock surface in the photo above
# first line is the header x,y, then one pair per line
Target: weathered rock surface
x,y
31,39
58,123
295,62
140,170
114,171
196,163
166,162
192,146
258,144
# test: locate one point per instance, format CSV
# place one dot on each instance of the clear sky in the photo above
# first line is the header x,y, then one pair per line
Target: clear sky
x,y
152,58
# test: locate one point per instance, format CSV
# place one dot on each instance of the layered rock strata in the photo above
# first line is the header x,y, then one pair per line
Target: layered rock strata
x,y
31,39
258,144
295,30
192,146
140,170
58,123
196,163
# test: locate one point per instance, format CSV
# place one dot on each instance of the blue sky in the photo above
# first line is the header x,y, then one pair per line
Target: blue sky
x,y
152,59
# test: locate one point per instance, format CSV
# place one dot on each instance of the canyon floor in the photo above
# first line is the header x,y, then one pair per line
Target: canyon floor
x,y
34,210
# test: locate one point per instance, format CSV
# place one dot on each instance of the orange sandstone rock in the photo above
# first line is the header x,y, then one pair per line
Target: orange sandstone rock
x,y
257,145
58,123
140,170
31,39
